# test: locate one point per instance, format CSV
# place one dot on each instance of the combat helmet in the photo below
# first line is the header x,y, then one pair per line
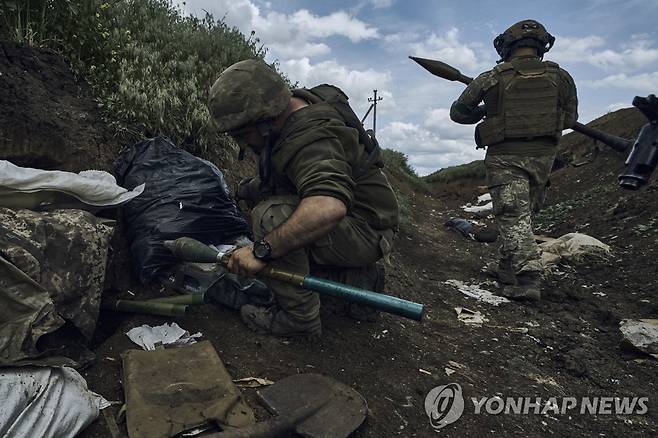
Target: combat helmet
x,y
247,93
525,33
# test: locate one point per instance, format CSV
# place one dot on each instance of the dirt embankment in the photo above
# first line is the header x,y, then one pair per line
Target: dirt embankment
x,y
568,345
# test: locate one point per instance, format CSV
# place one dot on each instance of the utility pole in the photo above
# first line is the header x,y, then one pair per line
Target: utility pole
x,y
374,101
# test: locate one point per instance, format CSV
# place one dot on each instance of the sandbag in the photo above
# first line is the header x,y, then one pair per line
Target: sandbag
x,y
184,196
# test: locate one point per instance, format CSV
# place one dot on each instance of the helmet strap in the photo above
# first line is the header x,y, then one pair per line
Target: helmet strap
x,y
265,162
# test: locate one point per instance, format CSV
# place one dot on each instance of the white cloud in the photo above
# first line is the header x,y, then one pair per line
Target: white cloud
x,y
287,35
439,119
357,84
643,83
439,143
592,50
381,4
446,47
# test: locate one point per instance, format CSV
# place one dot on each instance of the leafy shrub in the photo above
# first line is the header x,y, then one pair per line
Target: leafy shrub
x,y
150,66
397,161
473,171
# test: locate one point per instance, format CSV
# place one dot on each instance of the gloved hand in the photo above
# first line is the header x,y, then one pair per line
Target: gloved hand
x,y
249,190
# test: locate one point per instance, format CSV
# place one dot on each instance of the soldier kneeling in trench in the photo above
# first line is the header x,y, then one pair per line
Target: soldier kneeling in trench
x,y
321,202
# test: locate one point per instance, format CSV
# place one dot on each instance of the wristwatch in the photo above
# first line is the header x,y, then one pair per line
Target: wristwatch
x,y
262,250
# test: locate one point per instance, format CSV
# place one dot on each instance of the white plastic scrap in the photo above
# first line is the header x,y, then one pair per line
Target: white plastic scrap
x,y
488,207
91,187
474,291
470,317
169,335
484,198
46,402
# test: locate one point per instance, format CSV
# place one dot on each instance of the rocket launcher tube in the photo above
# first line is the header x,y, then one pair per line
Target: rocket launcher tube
x,y
192,250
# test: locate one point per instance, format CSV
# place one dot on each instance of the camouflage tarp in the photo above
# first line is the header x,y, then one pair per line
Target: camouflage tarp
x,y
52,269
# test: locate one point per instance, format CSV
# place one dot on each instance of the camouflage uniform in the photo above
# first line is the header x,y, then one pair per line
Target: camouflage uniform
x,y
314,155
517,168
52,269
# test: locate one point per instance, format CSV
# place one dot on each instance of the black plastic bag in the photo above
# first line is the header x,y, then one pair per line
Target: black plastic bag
x,y
184,196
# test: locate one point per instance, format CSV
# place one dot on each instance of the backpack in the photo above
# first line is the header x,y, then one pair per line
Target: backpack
x,y
338,100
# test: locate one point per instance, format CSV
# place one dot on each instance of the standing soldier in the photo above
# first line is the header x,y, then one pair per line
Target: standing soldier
x,y
527,104
321,201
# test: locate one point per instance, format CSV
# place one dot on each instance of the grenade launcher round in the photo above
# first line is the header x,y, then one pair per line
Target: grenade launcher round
x,y
192,250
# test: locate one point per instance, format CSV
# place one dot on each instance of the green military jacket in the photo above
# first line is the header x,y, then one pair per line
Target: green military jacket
x,y
316,154
465,109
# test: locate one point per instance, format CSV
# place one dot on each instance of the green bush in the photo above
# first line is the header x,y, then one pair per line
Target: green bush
x,y
473,171
397,160
150,66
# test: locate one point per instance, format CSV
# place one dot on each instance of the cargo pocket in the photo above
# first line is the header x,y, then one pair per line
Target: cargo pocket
x,y
271,213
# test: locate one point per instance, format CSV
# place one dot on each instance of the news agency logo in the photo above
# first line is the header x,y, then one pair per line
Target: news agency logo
x,y
444,405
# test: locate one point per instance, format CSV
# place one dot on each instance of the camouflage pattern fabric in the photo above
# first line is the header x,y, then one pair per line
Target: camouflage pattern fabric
x,y
352,247
53,269
245,93
517,186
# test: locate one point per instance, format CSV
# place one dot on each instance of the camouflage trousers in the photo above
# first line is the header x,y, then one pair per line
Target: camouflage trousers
x,y
518,186
348,254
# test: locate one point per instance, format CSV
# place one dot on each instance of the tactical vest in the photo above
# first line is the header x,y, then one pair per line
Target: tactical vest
x,y
524,103
338,100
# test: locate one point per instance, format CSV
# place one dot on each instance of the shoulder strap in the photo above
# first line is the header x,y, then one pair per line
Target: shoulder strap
x,y
338,100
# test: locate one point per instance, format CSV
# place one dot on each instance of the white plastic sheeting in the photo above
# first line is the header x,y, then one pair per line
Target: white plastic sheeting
x,y
92,187
475,291
45,402
166,334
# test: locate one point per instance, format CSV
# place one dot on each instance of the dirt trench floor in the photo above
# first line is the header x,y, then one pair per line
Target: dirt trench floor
x,y
568,345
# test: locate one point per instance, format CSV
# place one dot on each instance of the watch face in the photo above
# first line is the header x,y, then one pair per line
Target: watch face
x,y
261,250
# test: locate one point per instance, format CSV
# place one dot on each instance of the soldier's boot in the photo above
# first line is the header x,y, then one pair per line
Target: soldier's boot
x,y
500,271
527,287
275,321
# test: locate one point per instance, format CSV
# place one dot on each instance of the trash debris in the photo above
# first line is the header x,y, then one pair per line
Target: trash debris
x,y
169,391
184,196
642,334
483,207
169,335
24,187
479,210
425,371
470,317
474,291
484,198
218,285
452,367
573,247
252,382
462,226
46,402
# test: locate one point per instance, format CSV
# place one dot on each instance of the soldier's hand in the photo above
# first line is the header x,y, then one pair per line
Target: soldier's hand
x,y
248,190
243,262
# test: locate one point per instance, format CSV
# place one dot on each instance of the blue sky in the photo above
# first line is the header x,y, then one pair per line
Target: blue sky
x,y
609,46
